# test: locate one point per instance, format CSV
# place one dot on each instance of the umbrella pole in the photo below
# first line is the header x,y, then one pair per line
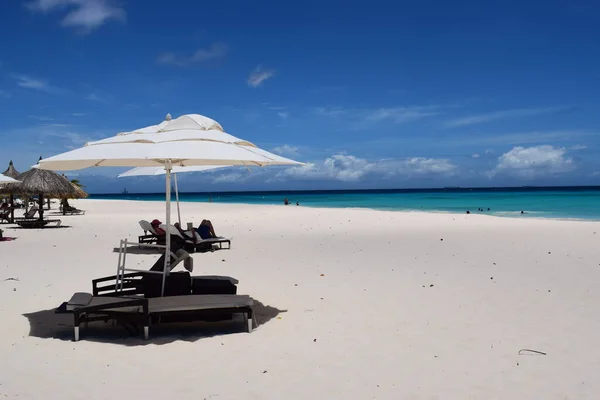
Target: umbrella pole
x,y
41,204
177,197
12,208
168,230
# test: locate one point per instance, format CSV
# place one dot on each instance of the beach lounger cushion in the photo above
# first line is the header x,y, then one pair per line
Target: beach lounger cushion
x,y
79,299
140,310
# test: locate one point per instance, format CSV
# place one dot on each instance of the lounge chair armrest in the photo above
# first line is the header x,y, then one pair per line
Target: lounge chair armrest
x,y
127,302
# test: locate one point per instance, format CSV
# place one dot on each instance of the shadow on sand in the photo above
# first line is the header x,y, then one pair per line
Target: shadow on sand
x,y
51,226
46,324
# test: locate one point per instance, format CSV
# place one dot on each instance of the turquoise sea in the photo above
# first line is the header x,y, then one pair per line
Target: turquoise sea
x,y
554,202
548,202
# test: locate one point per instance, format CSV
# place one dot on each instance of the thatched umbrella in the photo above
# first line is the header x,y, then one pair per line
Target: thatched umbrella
x,y
13,173
40,182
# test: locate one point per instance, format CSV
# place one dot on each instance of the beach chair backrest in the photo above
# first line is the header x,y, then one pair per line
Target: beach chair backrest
x,y
147,227
31,213
172,230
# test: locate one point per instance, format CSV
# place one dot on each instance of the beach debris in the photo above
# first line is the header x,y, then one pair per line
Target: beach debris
x,y
315,340
491,277
431,285
14,289
295,284
265,371
12,279
322,275
528,351
549,252
494,263
442,239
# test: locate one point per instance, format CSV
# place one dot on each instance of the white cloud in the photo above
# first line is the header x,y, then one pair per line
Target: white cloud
x,y
400,115
4,94
488,151
96,97
529,162
330,111
258,76
230,177
578,147
498,115
349,168
29,82
475,155
286,149
86,15
367,117
283,114
41,117
214,52
77,114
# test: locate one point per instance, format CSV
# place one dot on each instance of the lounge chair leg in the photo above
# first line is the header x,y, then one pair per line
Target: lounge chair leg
x,y
146,335
248,322
76,333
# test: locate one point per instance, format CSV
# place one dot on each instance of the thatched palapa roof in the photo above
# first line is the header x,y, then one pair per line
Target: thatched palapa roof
x,y
48,183
80,193
11,171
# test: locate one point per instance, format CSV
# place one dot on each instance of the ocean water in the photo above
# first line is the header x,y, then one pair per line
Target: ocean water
x,y
560,202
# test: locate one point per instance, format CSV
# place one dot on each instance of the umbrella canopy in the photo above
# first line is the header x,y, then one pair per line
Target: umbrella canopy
x,y
154,171
184,141
190,140
7,179
11,172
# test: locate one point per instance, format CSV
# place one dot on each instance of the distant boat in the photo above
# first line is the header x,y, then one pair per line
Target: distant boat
x,y
125,191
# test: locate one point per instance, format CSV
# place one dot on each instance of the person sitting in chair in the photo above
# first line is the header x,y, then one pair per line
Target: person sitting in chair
x,y
206,230
156,226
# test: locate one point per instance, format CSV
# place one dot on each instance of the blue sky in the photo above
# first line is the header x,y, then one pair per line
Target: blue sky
x,y
376,94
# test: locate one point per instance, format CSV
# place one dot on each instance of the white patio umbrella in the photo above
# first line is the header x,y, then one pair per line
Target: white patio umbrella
x,y
154,171
189,140
7,179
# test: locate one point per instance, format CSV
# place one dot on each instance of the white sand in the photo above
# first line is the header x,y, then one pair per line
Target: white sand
x,y
371,327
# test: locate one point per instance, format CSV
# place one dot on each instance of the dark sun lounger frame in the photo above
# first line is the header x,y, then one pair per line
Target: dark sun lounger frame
x,y
141,311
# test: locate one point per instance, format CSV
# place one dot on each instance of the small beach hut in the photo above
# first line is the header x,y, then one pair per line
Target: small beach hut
x,y
11,172
44,183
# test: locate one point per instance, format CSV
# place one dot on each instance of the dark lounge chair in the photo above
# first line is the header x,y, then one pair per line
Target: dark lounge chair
x,y
150,236
195,244
5,215
141,311
149,285
30,221
71,210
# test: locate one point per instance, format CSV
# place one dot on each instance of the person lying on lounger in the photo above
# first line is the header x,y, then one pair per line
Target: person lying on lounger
x,y
206,230
156,226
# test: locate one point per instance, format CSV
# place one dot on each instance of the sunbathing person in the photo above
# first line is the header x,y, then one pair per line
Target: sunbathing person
x,y
156,226
206,230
